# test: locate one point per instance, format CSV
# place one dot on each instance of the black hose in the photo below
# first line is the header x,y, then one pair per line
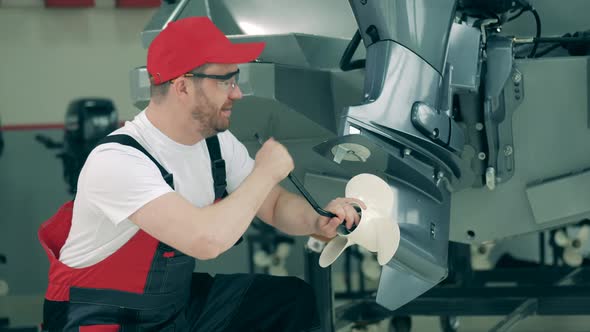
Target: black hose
x,y
345,63
576,44
547,50
526,6
563,40
522,10
578,48
538,24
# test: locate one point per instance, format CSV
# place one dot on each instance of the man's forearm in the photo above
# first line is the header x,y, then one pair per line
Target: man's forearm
x,y
293,215
238,210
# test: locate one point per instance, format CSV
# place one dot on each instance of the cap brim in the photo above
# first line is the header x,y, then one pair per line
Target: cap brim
x,y
239,53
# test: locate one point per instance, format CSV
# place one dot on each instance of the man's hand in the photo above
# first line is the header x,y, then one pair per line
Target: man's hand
x,y
274,160
344,210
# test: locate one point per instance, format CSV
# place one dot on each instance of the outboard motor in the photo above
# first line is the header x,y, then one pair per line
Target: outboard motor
x,y
87,121
404,132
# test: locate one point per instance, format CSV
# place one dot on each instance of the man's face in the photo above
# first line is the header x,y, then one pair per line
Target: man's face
x,y
213,99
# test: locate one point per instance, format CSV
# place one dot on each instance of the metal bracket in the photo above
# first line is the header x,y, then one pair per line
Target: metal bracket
x,y
503,94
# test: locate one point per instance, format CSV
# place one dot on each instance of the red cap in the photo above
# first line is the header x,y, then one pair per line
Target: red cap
x,y
188,43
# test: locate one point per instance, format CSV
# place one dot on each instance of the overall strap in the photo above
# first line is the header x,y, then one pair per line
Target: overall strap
x,y
218,171
130,141
217,167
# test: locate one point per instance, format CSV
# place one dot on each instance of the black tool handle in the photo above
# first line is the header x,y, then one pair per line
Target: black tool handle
x,y
308,197
341,228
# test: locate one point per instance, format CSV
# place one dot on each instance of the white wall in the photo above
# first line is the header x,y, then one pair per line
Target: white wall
x,y
50,56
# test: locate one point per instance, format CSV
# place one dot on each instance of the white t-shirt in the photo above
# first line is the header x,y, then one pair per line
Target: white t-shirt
x,y
117,180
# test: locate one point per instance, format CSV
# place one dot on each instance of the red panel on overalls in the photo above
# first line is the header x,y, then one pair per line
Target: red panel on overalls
x,y
124,270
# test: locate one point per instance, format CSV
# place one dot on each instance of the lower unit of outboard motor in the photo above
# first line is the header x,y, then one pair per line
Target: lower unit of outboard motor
x,y
421,207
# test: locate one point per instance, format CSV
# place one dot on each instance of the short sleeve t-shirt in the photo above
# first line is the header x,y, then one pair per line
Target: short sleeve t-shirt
x,y
117,180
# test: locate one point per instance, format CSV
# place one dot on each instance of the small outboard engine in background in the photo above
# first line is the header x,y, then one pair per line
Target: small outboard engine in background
x,y
87,121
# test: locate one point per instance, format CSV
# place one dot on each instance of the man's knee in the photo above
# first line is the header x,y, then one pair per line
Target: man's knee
x,y
302,293
305,304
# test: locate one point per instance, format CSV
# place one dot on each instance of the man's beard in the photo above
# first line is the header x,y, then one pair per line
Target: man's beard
x,y
210,118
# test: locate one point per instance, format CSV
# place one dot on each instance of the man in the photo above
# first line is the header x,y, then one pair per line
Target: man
x,y
145,207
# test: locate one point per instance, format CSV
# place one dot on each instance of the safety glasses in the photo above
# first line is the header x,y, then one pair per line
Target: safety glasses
x,y
226,82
